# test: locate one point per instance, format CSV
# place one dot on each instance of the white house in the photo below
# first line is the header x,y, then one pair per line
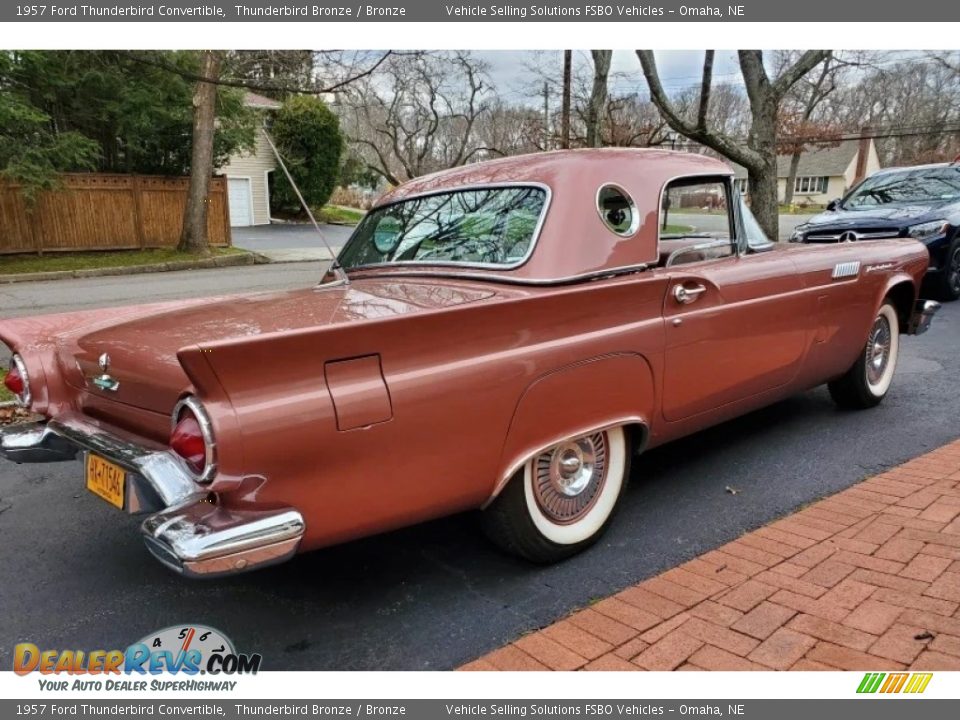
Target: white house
x,y
824,173
248,173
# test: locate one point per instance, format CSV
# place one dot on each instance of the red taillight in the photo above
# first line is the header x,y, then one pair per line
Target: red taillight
x,y
14,381
187,441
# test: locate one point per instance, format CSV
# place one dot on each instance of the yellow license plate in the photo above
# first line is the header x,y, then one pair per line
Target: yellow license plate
x,y
106,480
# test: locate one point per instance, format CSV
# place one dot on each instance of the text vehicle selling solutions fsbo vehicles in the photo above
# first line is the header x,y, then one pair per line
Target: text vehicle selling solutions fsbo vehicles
x,y
502,337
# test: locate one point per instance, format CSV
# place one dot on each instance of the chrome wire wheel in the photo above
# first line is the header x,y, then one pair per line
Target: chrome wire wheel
x,y
881,352
569,477
878,349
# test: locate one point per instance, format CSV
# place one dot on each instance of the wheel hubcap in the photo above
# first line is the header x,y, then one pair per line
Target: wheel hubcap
x,y
878,350
568,477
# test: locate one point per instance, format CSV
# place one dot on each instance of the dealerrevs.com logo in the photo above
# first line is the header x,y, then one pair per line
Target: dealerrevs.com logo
x,y
188,649
893,683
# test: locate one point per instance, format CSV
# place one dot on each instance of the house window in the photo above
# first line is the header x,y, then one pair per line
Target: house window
x,y
809,185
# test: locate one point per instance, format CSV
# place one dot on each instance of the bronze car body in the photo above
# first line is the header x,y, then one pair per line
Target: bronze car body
x,y
421,389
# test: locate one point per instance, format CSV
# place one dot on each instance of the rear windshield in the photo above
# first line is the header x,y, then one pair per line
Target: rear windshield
x,y
488,226
907,186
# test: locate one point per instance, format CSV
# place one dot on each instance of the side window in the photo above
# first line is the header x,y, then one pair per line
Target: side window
x,y
695,221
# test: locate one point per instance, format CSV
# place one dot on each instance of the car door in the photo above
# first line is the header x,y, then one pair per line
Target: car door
x,y
736,321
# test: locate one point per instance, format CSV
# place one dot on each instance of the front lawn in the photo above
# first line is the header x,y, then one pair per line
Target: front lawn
x,y
339,215
5,394
53,262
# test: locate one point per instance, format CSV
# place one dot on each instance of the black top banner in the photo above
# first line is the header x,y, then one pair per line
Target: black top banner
x,y
475,11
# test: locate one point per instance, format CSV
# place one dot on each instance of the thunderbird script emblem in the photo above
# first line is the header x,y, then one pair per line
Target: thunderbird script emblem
x,y
105,382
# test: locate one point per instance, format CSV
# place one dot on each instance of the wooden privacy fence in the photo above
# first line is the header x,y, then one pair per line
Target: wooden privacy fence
x,y
92,211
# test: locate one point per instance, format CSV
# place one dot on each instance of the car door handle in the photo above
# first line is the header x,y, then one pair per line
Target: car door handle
x,y
686,295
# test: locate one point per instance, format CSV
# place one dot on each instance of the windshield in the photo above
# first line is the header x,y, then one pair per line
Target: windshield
x,y
490,226
907,186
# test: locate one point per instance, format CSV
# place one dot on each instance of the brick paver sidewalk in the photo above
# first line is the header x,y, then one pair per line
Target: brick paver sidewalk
x,y
867,579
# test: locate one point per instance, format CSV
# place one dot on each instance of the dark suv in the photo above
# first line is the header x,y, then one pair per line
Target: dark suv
x,y
921,202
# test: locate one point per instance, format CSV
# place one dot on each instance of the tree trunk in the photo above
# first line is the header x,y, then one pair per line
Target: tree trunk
x,y
763,199
791,179
193,237
598,97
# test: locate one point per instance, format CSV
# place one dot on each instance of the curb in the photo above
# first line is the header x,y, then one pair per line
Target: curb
x,y
222,261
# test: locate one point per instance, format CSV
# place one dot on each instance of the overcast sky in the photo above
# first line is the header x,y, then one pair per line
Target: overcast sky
x,y
679,69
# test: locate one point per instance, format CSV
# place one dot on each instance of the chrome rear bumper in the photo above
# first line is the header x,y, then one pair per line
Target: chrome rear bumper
x,y
922,316
189,534
203,540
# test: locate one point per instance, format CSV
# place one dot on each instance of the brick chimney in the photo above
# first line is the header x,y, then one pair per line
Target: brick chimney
x,y
863,153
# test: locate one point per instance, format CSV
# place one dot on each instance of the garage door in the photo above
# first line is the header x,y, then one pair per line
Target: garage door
x,y
241,209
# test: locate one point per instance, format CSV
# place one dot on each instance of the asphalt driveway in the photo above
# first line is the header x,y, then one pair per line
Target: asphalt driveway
x,y
73,572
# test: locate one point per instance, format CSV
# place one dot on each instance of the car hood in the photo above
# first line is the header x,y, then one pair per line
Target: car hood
x,y
142,346
899,216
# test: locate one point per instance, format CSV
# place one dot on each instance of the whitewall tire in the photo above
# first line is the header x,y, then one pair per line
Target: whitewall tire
x,y
563,499
866,383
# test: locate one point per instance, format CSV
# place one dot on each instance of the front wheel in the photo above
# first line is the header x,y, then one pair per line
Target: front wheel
x,y
866,383
563,499
949,277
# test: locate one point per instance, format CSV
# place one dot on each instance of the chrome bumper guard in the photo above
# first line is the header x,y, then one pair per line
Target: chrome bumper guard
x,y
203,540
922,316
189,534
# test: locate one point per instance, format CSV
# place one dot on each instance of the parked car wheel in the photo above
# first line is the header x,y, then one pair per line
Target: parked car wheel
x,y
866,383
949,278
563,499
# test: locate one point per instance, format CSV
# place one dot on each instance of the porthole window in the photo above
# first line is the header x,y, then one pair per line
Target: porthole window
x,y
617,210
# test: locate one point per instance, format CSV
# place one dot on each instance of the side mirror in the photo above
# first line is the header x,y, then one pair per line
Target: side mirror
x,y
833,204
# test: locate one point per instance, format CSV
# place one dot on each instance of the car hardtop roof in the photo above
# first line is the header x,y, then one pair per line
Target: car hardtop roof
x,y
549,168
573,240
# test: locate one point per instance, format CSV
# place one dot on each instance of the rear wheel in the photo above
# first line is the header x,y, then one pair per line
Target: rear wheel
x,y
866,383
563,499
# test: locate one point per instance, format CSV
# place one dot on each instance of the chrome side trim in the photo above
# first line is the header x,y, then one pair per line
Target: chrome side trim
x,y
200,539
922,316
449,263
846,269
508,280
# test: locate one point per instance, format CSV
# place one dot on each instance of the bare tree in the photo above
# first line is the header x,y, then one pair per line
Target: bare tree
x,y
193,236
597,105
798,127
509,130
913,105
759,153
419,115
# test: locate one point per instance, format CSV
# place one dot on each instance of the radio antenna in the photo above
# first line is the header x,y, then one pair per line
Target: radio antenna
x,y
335,266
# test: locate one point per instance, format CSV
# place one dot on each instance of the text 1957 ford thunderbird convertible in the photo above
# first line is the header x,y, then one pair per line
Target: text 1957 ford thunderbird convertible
x,y
501,337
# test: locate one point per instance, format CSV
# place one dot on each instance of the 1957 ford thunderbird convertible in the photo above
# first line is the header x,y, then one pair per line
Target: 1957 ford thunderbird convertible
x,y
502,337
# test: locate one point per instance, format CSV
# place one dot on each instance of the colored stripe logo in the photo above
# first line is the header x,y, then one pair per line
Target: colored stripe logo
x,y
913,683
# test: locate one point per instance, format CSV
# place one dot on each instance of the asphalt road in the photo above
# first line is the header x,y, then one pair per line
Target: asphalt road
x,y
39,298
74,574
294,235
